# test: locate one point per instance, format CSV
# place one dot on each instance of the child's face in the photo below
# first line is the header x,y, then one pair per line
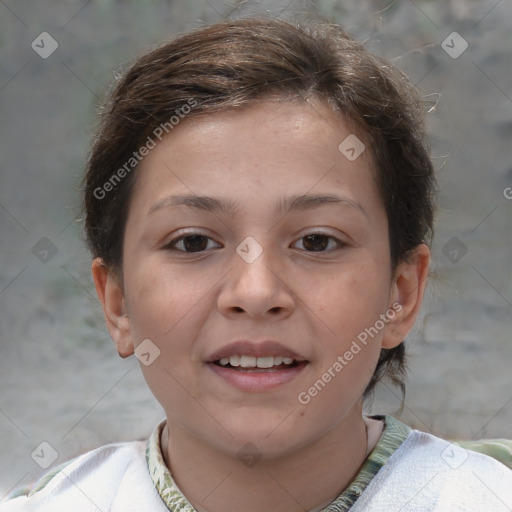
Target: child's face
x,y
310,297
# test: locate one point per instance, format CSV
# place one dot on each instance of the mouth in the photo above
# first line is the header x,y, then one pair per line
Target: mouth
x,y
256,367
247,363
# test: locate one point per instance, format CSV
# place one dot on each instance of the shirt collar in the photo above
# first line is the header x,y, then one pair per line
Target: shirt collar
x,y
393,435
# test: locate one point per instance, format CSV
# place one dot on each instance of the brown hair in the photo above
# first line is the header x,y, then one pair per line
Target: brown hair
x,y
233,63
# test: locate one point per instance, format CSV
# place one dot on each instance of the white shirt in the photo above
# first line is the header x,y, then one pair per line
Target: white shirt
x,y
408,470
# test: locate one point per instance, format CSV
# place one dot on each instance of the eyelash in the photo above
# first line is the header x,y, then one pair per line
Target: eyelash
x,y
171,246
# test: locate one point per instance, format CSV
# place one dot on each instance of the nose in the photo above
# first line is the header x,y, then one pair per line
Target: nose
x,y
258,289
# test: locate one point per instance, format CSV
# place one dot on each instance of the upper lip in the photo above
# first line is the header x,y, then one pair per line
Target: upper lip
x,y
253,348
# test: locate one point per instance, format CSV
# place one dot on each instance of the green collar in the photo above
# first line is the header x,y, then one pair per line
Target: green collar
x,y
393,435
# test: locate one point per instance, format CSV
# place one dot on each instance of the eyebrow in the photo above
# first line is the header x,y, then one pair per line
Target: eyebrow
x,y
230,207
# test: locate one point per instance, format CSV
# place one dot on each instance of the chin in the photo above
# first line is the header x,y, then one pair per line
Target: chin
x,y
272,436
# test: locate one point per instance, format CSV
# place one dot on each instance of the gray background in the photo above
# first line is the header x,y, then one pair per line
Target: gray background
x,y
61,380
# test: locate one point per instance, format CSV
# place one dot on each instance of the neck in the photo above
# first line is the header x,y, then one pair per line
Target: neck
x,y
305,480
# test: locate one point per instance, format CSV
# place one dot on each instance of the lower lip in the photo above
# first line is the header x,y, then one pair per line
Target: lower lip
x,y
257,381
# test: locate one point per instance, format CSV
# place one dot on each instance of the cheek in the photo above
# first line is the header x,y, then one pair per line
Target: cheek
x,y
350,298
159,299
350,308
167,308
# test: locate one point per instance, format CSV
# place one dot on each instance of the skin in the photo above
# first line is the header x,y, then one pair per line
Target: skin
x,y
314,302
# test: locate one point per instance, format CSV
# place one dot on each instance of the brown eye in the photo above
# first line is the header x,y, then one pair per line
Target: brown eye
x,y
319,242
316,242
190,243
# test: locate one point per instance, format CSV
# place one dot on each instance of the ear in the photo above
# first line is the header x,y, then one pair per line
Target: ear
x,y
111,296
406,295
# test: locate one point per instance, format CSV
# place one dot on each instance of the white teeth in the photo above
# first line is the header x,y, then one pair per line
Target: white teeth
x,y
247,361
265,362
255,362
234,360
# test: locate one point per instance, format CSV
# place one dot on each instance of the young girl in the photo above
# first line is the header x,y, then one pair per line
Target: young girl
x,y
259,206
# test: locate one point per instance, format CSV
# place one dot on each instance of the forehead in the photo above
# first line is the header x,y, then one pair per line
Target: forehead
x,y
271,165
257,155
270,142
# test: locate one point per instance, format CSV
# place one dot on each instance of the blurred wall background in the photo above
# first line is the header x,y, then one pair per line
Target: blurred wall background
x,y
61,380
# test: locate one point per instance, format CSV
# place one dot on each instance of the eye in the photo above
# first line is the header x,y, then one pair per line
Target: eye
x,y
190,243
319,242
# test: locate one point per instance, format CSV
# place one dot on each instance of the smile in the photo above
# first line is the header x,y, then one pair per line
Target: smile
x,y
256,366
257,374
252,363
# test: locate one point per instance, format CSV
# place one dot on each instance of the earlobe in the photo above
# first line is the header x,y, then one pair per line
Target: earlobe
x,y
111,296
408,288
